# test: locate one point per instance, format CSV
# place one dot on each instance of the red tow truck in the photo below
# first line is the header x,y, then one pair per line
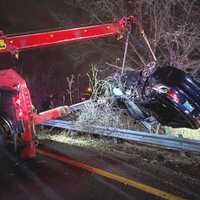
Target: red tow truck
x,y
18,117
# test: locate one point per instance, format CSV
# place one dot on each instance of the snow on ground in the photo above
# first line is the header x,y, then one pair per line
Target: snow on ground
x,y
184,132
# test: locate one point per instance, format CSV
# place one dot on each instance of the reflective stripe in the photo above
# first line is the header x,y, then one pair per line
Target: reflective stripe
x,y
2,44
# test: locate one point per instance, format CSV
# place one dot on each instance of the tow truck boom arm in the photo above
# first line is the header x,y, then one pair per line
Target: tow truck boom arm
x,y
14,44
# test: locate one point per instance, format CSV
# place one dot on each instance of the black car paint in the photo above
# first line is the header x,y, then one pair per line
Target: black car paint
x,y
166,111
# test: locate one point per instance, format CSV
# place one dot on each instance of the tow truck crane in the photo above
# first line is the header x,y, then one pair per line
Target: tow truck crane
x,y
18,117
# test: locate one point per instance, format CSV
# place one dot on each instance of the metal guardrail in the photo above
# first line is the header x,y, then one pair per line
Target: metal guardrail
x,y
168,142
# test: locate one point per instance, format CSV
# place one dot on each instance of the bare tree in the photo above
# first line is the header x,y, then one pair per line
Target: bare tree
x,y
172,27
70,84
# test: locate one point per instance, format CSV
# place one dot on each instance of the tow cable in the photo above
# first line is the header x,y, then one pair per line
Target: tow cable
x,y
127,42
125,51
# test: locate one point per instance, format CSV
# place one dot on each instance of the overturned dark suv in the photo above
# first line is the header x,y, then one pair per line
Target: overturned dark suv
x,y
168,94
